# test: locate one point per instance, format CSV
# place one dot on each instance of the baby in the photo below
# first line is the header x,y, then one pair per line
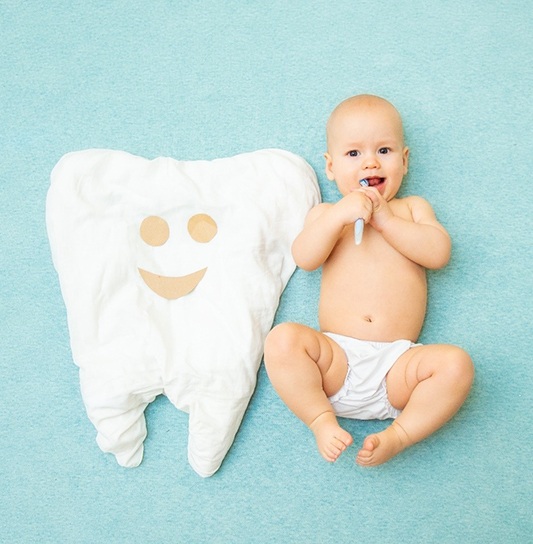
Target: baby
x,y
365,363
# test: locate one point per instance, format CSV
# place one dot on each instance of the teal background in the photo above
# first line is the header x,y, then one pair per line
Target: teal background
x,y
200,80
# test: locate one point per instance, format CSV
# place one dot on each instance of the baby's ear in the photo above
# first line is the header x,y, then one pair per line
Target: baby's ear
x,y
329,164
405,160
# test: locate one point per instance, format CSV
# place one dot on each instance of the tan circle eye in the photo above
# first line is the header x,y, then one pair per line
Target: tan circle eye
x,y
155,231
202,228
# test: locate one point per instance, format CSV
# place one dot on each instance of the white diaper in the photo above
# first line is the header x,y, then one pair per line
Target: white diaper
x,y
364,393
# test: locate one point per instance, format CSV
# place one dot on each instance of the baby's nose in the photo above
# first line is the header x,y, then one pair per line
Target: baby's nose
x,y
370,161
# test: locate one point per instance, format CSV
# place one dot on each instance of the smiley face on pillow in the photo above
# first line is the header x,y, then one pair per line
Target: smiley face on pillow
x,y
155,232
171,272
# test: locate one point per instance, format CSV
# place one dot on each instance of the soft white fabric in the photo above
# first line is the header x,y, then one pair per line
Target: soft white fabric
x,y
201,349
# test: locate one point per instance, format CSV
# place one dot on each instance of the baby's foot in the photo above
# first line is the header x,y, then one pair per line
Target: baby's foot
x,y
379,448
330,437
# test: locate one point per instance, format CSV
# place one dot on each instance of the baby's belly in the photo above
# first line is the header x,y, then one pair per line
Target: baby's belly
x,y
383,317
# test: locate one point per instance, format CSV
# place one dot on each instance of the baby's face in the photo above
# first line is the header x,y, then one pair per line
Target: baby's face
x,y
367,142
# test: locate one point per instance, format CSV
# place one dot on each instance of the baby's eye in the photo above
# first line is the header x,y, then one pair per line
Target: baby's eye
x,y
384,150
353,153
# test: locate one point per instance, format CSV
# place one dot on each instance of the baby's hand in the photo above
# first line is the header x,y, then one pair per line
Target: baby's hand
x,y
381,211
353,206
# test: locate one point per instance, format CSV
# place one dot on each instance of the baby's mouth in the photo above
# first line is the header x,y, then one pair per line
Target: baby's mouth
x,y
374,181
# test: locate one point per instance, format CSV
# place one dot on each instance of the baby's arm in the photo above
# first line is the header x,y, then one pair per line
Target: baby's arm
x,y
324,226
423,240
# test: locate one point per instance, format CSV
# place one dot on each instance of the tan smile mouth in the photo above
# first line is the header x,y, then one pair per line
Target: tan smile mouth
x,y
172,287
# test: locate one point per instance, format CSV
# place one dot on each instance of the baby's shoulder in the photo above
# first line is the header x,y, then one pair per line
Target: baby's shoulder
x,y
411,202
318,210
413,207
408,201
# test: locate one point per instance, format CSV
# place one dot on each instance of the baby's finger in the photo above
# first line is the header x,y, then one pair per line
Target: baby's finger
x,y
373,195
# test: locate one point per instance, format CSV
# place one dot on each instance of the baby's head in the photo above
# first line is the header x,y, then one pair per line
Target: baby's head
x,y
365,140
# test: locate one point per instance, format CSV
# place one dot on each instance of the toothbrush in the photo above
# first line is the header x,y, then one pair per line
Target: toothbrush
x,y
360,223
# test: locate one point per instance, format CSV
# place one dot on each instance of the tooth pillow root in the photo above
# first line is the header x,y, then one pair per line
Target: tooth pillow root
x,y
171,273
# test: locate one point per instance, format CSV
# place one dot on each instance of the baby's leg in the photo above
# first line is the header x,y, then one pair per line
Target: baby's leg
x,y
429,383
305,368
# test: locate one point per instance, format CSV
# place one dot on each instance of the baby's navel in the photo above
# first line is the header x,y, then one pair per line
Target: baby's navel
x,y
368,318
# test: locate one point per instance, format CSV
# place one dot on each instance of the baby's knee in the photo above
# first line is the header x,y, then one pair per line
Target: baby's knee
x,y
459,366
280,341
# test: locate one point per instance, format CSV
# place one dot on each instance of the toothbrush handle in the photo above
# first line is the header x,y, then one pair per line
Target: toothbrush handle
x,y
358,230
360,223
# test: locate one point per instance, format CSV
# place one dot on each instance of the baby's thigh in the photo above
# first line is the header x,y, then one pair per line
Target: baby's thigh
x,y
304,347
412,367
420,363
333,364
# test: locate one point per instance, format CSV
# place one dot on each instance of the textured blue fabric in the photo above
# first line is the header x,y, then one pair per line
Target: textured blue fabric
x,y
203,79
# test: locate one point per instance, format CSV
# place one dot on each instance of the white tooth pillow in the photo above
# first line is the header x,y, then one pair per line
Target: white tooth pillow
x,y
171,272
